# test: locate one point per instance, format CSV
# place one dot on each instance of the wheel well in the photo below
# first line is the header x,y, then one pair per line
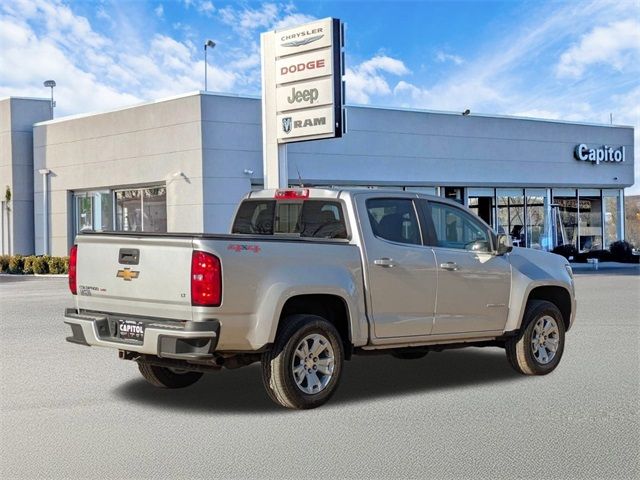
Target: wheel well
x,y
329,307
556,295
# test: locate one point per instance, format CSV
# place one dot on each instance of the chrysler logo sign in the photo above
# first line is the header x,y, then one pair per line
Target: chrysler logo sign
x,y
304,41
599,154
302,37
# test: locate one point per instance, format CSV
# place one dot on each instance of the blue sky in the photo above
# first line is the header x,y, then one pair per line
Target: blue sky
x,y
570,60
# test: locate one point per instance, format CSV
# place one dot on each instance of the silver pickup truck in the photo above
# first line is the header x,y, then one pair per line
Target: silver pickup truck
x,y
310,277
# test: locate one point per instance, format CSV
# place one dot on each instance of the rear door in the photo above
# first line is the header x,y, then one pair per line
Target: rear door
x,y
401,271
132,275
473,283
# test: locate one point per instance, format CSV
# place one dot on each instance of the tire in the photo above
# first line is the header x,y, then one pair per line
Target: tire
x,y
531,351
293,382
409,354
167,378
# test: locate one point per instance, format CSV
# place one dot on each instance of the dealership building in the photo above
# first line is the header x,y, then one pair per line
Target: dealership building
x,y
181,164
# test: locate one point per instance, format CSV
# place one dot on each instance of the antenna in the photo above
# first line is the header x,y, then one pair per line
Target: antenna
x,y
299,176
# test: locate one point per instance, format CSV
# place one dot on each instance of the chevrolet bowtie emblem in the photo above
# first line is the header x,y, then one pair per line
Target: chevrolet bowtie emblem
x,y
128,274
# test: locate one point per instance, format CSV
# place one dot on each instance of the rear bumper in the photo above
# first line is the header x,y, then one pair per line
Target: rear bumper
x,y
185,340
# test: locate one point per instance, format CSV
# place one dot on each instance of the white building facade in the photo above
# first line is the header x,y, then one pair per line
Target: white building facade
x,y
183,163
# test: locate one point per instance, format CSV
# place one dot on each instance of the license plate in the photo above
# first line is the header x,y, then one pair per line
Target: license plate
x,y
131,330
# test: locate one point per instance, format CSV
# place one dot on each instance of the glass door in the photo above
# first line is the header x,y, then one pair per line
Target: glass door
x,y
565,203
590,220
511,218
537,234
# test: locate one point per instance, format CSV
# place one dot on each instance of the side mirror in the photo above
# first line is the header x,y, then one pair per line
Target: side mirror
x,y
504,244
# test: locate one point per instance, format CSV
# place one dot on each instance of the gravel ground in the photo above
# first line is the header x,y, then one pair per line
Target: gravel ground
x,y
68,411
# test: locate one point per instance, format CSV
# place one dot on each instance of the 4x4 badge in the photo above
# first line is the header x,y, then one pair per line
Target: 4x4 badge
x,y
128,274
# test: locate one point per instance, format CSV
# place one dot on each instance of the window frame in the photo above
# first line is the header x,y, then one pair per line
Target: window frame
x,y
433,239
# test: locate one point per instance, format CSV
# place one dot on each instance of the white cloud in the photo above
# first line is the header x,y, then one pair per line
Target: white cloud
x,y
367,79
206,7
159,11
443,57
46,39
616,44
269,16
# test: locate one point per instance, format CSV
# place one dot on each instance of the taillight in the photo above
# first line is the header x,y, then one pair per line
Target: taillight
x,y
73,263
292,194
206,279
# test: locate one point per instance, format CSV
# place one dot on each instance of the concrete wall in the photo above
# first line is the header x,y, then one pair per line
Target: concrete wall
x,y
398,147
231,145
146,144
17,116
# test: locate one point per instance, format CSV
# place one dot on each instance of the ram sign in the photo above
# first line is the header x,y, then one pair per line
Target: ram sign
x,y
302,82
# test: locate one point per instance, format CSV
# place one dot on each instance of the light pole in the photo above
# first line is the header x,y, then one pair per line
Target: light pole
x,y
51,84
209,44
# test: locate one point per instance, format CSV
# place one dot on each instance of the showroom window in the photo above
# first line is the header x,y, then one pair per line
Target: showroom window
x,y
141,209
612,221
93,210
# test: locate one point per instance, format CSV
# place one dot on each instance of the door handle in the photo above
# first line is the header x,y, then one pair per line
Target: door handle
x,y
452,266
384,262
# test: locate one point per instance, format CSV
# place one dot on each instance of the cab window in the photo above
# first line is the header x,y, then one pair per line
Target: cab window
x,y
455,228
309,218
394,219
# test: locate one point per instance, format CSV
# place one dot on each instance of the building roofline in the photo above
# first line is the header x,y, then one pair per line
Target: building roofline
x,y
489,115
370,107
11,97
142,104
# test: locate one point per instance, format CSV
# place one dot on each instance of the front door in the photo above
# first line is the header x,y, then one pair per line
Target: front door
x,y
401,271
473,283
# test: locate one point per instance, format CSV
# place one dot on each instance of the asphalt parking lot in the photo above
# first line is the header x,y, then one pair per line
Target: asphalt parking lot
x,y
69,411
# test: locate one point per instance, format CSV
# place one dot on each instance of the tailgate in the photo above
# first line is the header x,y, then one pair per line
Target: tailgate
x,y
146,276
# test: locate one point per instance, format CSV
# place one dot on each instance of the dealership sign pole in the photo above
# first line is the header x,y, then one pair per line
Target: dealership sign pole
x,y
302,91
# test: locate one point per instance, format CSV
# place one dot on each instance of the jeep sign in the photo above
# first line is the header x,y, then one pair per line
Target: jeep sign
x,y
304,95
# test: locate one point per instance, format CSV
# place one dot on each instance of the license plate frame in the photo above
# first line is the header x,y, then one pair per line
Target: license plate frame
x,y
131,330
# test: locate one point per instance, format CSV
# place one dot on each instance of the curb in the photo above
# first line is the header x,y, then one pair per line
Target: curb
x,y
44,275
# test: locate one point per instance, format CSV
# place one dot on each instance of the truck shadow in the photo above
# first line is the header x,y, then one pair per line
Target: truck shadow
x,y
364,379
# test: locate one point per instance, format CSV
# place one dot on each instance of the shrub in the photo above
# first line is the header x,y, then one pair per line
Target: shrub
x,y
621,250
27,266
40,265
56,265
4,263
601,255
567,251
16,263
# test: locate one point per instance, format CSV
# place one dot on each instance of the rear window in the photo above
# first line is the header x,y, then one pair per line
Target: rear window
x,y
309,218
